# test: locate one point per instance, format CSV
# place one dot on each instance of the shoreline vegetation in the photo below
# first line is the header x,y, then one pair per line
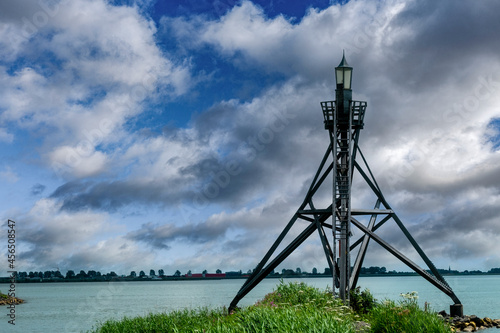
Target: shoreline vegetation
x,y
8,300
93,276
297,307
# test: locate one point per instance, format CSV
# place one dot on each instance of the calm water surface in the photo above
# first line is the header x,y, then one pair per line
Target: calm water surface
x,y
77,307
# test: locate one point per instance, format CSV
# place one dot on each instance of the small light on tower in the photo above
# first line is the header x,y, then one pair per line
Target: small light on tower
x,y
343,74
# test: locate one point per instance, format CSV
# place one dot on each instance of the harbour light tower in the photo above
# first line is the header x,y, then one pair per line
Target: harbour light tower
x,y
344,119
339,123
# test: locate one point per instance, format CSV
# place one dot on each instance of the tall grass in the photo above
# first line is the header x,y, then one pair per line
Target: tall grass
x,y
405,316
292,307
200,320
299,318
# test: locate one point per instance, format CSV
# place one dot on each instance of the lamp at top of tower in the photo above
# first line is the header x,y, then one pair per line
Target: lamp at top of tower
x,y
343,74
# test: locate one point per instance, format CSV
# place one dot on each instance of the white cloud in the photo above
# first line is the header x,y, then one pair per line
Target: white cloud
x,y
113,254
65,228
82,161
90,63
279,45
77,240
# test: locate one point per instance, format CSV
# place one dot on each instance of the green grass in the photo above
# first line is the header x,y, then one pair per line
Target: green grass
x,y
292,307
405,316
285,319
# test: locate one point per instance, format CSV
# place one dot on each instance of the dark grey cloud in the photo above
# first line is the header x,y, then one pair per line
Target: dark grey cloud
x,y
449,232
458,220
433,43
38,189
161,236
255,150
22,11
112,195
443,27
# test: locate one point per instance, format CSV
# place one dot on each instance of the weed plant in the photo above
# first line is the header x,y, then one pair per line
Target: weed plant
x,y
362,302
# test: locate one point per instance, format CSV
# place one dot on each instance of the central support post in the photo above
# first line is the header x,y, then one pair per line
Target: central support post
x,y
341,139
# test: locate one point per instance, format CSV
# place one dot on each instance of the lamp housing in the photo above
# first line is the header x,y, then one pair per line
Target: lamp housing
x,y
343,75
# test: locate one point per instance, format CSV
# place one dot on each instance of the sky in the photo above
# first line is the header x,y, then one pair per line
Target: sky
x,y
183,135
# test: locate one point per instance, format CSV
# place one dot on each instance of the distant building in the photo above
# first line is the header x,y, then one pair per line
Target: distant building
x,y
206,275
195,275
216,275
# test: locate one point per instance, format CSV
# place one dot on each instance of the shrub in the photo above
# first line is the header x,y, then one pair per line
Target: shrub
x,y
405,316
294,293
362,301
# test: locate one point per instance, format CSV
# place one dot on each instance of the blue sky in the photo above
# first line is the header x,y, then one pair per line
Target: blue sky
x,y
139,135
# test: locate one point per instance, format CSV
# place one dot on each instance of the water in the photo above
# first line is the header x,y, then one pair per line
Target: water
x,y
77,307
480,295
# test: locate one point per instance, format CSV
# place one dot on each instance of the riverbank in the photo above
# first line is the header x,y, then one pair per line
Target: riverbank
x,y
470,323
6,300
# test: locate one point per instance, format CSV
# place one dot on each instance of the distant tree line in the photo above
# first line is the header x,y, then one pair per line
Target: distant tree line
x,y
93,275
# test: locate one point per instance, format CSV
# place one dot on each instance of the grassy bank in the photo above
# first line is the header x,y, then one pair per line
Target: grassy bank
x,y
6,299
293,307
